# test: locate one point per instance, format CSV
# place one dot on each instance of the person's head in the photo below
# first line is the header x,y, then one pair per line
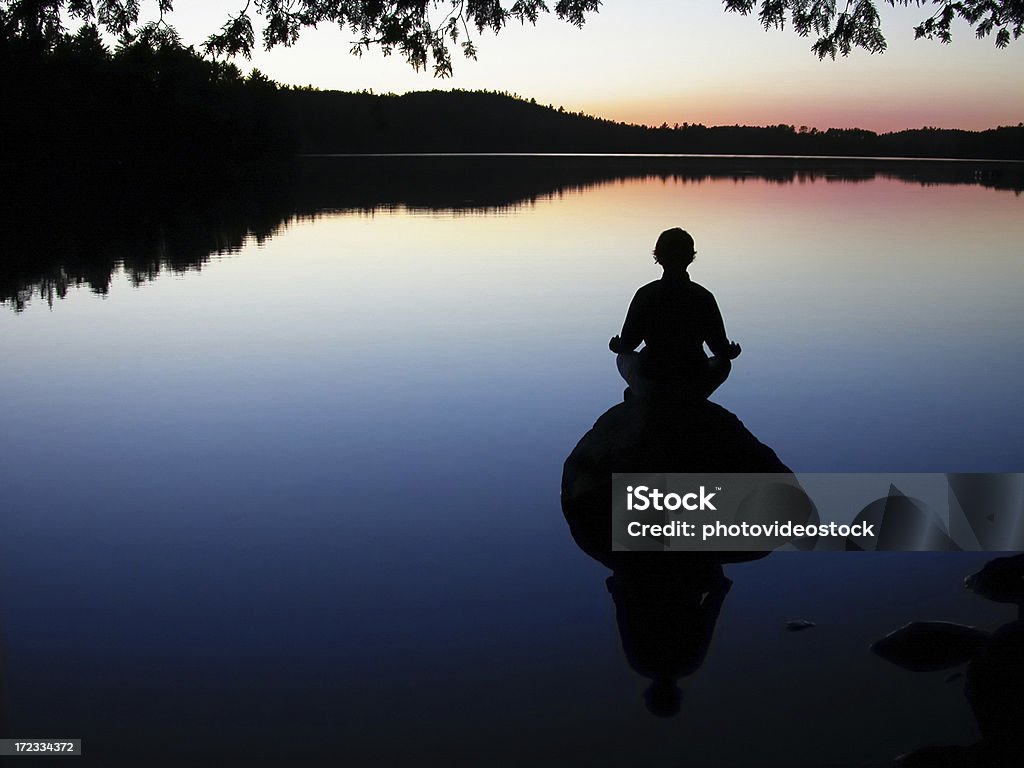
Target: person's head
x,y
674,249
663,697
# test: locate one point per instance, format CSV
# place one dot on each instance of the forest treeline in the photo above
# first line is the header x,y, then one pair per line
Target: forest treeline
x,y
79,107
475,121
76,109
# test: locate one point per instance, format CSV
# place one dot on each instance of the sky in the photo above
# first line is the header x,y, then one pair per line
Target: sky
x,y
655,61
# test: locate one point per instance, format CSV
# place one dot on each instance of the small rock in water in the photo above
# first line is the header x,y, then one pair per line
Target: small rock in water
x,y
1001,580
927,646
797,625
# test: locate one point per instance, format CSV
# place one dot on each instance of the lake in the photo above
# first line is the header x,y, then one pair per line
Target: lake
x,y
281,477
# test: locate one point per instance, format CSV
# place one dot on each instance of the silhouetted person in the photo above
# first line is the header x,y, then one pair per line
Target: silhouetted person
x,y
674,318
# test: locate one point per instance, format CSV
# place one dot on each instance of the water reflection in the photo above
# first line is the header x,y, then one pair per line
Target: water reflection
x,y
81,240
55,239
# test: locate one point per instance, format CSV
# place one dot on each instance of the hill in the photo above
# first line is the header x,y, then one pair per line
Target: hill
x,y
329,122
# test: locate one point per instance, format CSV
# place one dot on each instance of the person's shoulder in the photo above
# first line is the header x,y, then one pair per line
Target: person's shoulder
x,y
701,291
649,289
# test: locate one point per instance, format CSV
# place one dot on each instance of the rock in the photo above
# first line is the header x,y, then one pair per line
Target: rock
x,y
927,646
798,625
640,436
995,689
1001,580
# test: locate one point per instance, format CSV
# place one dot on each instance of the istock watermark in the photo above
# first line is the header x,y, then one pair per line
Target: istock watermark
x,y
642,498
818,511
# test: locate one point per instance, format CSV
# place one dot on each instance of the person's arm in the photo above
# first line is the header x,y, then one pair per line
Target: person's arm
x,y
716,339
632,328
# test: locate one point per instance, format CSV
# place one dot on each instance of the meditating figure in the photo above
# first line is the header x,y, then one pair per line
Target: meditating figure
x,y
674,318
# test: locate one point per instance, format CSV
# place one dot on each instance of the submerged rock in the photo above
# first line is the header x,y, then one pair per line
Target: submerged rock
x,y
798,625
928,646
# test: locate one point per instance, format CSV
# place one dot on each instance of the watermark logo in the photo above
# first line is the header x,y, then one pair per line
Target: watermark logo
x,y
641,498
818,511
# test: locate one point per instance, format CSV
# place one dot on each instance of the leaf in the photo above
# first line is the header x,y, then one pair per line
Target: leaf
x,y
118,17
773,13
81,9
742,7
574,11
235,37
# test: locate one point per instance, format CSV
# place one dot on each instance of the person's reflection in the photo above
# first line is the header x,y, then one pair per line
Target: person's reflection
x,y
666,622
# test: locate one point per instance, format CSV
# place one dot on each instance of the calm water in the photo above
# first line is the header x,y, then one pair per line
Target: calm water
x,y
306,497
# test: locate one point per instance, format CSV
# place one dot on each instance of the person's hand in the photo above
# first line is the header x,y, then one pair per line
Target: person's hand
x,y
615,343
734,350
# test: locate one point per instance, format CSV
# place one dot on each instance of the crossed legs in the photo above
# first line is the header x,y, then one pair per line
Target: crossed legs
x,y
698,385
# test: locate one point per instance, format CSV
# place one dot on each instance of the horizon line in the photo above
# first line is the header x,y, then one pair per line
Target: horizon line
x,y
884,158
309,88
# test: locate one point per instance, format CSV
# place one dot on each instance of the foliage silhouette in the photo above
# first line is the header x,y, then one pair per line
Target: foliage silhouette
x,y
425,32
147,108
857,24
